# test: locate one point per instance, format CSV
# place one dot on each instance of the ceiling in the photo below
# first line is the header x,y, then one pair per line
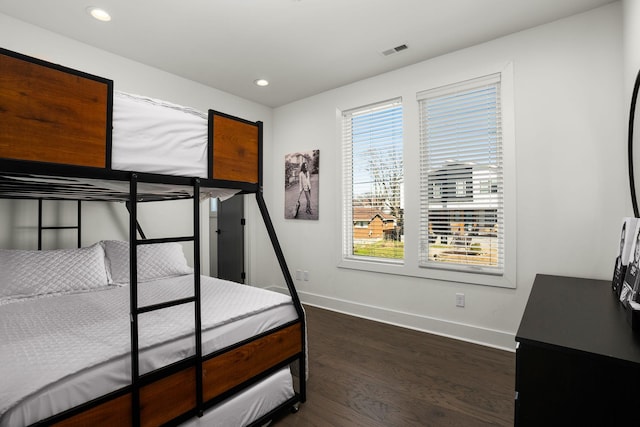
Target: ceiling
x,y
303,47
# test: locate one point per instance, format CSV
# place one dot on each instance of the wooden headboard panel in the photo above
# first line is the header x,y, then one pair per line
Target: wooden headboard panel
x,y
50,113
236,147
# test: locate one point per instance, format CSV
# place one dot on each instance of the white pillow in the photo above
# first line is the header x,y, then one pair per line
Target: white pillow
x,y
26,273
154,261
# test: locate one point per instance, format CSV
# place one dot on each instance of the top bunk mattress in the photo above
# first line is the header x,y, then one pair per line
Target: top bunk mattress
x,y
60,122
154,136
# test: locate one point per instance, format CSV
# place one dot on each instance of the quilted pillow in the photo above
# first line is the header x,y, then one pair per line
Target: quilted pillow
x,y
154,261
27,273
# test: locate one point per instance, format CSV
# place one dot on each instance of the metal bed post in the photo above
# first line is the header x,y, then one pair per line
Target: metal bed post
x,y
283,263
197,294
133,296
40,224
292,290
79,223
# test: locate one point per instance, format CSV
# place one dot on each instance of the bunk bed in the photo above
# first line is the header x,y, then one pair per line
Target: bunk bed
x,y
191,343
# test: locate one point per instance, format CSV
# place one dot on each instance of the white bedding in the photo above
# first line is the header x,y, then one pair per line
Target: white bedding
x,y
155,136
47,344
249,405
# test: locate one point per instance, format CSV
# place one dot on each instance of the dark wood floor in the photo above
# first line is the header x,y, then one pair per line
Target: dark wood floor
x,y
364,373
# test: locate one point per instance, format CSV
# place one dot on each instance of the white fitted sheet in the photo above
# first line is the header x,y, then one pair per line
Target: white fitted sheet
x,y
58,352
248,405
150,135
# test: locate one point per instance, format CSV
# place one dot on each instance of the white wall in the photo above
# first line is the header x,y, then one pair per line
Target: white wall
x,y
103,221
631,43
570,172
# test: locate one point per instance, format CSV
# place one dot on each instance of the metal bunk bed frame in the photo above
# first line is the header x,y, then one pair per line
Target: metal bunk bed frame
x,y
11,168
19,179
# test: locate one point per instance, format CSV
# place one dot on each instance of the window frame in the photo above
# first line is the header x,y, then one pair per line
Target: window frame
x,y
458,148
348,225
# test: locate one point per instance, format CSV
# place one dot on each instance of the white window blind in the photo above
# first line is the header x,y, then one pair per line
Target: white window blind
x,y
373,214
461,177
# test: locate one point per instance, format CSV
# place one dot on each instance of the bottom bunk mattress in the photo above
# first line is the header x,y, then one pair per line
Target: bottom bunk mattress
x,y
61,351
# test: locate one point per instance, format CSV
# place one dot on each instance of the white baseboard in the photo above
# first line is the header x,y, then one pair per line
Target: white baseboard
x,y
469,333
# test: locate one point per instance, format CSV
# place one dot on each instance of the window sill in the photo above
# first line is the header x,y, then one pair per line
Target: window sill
x,y
400,268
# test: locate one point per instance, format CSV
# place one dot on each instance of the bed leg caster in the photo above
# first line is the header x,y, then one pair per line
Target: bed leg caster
x,y
295,408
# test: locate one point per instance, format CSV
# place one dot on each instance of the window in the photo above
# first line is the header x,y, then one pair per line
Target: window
x,y
373,178
213,207
461,177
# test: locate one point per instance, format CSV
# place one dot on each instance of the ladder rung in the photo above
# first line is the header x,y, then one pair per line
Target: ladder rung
x,y
167,304
165,240
68,227
165,371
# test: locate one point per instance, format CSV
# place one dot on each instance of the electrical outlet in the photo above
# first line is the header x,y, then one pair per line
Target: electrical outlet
x,y
306,275
459,300
298,274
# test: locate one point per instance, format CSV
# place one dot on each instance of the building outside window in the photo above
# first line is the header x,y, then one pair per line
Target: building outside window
x,y
373,212
461,184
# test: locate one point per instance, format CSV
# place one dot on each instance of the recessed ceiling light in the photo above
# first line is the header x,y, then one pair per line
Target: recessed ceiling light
x,y
262,82
99,14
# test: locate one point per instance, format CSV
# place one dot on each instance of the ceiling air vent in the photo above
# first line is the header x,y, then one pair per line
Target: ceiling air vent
x,y
395,50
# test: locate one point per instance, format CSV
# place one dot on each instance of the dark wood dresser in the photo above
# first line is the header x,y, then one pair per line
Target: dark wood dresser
x,y
577,358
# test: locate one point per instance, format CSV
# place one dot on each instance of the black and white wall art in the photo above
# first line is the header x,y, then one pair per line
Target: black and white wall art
x,y
301,185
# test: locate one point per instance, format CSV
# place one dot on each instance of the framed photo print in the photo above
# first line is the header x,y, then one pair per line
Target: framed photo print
x,y
301,182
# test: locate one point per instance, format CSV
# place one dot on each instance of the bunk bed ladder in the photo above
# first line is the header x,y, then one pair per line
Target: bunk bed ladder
x,y
77,227
135,310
